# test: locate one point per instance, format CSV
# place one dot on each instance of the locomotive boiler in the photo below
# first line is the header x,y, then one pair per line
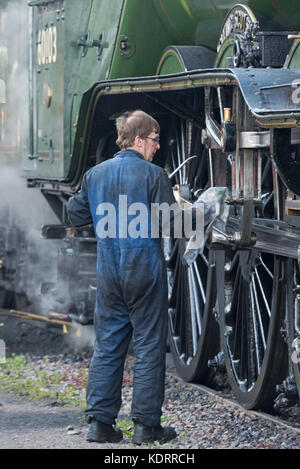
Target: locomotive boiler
x,y
223,80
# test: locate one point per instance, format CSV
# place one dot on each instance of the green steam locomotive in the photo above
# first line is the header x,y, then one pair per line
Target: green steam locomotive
x,y
223,81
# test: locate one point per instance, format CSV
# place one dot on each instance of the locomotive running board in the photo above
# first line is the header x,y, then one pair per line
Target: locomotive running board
x,y
259,88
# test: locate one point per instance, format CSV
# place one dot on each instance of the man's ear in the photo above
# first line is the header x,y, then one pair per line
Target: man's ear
x,y
138,141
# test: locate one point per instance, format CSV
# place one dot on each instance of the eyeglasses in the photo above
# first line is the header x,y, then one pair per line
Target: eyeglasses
x,y
155,139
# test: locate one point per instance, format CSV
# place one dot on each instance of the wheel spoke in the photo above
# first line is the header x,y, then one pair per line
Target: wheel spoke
x,y
258,311
195,267
265,267
262,292
255,327
197,302
204,259
193,300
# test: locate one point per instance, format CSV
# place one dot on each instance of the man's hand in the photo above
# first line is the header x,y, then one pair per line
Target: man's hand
x,y
176,191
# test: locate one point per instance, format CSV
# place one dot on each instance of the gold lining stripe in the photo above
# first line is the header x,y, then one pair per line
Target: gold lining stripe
x,y
276,123
172,51
221,51
47,151
171,85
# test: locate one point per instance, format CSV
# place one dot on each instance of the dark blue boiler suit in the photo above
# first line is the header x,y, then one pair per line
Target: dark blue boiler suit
x,y
132,298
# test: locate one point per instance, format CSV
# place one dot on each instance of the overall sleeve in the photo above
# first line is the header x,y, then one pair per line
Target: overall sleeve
x,y
162,190
162,194
78,208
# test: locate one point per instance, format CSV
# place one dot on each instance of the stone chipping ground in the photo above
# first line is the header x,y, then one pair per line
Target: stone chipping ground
x,y
201,420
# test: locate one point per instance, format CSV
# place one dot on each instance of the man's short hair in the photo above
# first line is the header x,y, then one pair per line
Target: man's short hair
x,y
133,124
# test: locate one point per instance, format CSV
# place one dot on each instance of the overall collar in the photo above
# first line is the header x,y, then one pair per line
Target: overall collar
x,y
128,152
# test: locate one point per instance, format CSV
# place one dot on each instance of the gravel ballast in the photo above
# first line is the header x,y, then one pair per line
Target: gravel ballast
x,y
202,421
57,369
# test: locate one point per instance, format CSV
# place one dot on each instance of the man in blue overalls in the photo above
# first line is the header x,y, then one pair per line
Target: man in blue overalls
x,y
132,299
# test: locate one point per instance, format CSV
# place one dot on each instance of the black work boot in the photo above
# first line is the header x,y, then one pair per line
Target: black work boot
x,y
145,434
103,433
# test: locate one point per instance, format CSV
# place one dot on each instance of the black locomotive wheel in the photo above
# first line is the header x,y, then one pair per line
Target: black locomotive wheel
x,y
193,331
251,315
293,308
250,301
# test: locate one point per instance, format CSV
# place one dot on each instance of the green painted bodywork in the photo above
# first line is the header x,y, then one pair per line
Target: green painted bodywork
x,y
225,52
198,22
132,22
146,37
293,60
170,62
134,35
74,70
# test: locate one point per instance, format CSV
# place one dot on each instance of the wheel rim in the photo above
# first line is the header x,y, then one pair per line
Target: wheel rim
x,y
192,330
293,308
